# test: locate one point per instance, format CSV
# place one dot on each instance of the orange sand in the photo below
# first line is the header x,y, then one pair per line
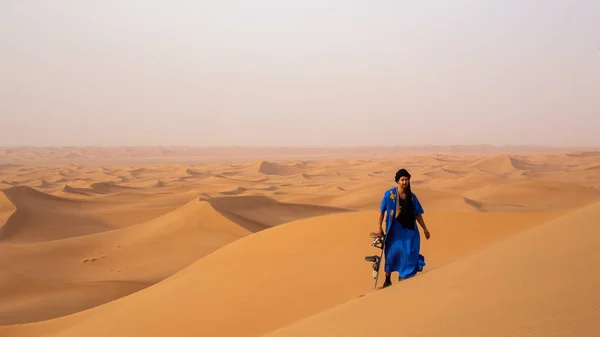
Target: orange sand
x,y
155,242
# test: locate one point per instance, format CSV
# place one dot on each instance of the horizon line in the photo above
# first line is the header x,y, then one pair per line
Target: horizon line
x,y
302,146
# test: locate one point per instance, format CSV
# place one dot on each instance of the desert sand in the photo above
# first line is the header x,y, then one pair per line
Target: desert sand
x,y
252,242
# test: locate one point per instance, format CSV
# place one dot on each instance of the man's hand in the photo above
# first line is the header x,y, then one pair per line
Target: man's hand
x,y
427,234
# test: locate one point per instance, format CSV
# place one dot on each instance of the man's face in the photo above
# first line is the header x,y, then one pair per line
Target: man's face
x,y
403,182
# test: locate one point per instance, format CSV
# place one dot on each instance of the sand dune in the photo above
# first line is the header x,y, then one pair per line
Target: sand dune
x,y
99,188
584,154
535,194
113,263
295,267
271,168
196,174
202,238
499,165
257,213
467,182
109,187
540,283
39,216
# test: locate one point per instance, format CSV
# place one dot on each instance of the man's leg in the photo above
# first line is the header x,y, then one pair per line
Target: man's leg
x,y
388,280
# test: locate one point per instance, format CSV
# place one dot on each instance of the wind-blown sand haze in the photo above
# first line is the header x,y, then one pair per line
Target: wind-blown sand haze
x,y
132,243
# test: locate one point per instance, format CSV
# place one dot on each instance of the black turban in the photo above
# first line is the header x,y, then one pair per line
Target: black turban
x,y
402,173
406,216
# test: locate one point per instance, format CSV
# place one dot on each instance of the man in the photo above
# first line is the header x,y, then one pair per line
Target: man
x,y
403,241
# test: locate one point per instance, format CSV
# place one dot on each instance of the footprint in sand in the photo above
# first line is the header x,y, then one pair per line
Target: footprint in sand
x,y
92,259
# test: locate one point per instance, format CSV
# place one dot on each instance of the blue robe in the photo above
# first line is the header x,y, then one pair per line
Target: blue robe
x,y
402,246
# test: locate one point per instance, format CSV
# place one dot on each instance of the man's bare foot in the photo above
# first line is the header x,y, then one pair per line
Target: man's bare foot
x,y
388,281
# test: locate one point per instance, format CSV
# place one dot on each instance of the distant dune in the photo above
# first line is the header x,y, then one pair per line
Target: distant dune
x,y
270,168
499,165
109,187
39,217
247,242
535,194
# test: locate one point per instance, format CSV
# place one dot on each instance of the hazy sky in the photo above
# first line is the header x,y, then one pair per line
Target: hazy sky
x,y
301,73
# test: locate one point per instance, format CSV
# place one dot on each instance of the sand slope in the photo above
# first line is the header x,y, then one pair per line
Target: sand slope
x,y
6,208
540,283
257,213
41,216
299,267
80,272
